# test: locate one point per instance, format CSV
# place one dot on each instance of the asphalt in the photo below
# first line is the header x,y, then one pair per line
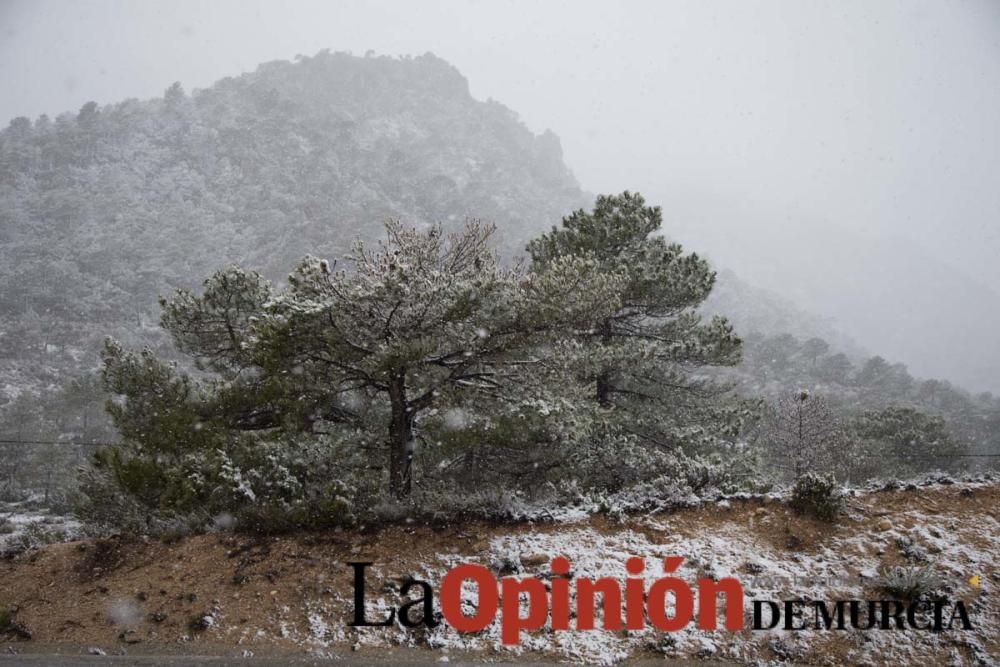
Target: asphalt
x,y
81,657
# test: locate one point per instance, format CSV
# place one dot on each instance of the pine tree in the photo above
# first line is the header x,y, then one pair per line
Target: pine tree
x,y
422,318
646,361
908,441
421,322
802,434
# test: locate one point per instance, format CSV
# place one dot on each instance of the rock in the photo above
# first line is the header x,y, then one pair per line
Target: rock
x,y
884,525
707,648
19,630
202,622
534,560
129,637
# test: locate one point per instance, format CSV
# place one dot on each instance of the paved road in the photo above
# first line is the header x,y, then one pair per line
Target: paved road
x,y
407,658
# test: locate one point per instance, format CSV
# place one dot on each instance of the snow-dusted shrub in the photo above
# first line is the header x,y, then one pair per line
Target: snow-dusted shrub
x,y
682,481
264,485
909,582
817,495
665,492
441,503
31,536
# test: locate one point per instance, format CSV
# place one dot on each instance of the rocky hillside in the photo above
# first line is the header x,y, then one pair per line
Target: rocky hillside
x,y
105,209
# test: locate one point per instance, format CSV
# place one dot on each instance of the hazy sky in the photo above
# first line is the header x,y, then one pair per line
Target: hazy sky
x,y
765,129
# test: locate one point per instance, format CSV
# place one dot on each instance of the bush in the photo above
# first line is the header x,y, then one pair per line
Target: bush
x,y
910,583
262,486
817,495
32,536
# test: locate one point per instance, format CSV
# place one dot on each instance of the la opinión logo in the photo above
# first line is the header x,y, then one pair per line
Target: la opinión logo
x,y
633,605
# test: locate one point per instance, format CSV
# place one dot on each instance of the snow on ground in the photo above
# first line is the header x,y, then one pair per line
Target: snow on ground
x,y
841,567
299,595
25,525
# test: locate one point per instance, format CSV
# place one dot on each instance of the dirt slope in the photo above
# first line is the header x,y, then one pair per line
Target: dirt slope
x,y
229,593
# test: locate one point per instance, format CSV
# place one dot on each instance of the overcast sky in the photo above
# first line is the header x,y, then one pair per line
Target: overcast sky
x,y
766,130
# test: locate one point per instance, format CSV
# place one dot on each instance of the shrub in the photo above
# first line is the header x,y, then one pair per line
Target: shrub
x,y
9,627
32,536
909,582
817,495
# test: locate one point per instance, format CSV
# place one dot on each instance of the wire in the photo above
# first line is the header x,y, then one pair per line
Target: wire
x,y
59,442
95,443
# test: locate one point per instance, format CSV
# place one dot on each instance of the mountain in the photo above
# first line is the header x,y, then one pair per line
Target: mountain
x,y
103,210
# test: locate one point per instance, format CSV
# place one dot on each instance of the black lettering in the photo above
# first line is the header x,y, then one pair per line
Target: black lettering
x,y
856,615
913,619
758,614
897,614
793,611
359,599
823,615
962,613
427,601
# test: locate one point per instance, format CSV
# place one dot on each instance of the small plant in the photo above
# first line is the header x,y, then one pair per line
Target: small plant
x,y
910,583
10,627
817,495
33,536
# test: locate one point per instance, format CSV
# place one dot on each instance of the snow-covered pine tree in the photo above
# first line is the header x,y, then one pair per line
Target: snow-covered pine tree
x,y
421,320
354,358
644,362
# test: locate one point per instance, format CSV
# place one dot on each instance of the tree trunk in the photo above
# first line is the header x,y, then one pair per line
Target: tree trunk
x,y
400,439
604,378
604,388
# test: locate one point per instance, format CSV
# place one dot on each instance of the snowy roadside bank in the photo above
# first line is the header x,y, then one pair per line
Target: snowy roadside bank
x,y
295,592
